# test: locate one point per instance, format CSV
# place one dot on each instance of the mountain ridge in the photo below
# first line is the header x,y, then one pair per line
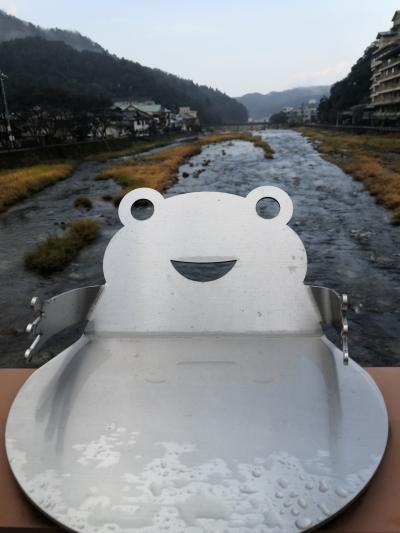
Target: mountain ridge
x,y
12,28
51,73
261,106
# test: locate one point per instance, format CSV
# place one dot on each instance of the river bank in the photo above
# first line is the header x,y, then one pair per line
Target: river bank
x,y
156,170
94,149
21,182
159,170
372,159
351,245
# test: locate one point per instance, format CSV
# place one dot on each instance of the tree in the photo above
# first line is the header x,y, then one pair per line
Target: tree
x,y
48,73
279,119
353,90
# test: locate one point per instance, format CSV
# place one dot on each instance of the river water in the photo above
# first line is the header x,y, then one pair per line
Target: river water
x,y
351,245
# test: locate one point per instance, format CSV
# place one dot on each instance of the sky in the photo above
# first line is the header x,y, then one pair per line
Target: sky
x,y
236,46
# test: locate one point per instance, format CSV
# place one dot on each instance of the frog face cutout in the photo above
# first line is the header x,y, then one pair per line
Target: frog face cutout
x,y
254,265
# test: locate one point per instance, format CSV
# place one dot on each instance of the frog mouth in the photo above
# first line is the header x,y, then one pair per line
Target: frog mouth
x,y
203,269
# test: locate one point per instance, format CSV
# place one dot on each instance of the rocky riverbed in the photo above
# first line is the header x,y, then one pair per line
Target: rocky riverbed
x,y
351,244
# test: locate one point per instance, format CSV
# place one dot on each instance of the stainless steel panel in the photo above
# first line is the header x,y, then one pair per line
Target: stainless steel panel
x,y
192,406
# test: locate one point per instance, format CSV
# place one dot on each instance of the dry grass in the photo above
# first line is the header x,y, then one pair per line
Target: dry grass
x,y
155,170
159,170
372,159
57,251
18,184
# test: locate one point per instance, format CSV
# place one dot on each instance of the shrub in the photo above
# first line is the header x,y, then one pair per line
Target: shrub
x,y
83,201
57,251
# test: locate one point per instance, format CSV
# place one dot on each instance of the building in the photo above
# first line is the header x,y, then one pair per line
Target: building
x,y
309,112
130,119
187,119
147,117
385,67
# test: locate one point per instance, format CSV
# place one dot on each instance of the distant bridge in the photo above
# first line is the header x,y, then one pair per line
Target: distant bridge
x,y
349,128
239,125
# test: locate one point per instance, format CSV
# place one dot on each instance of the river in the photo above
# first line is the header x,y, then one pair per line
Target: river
x,y
351,244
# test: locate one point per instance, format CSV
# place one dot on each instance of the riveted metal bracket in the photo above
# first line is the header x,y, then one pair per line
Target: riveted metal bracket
x,y
345,329
333,308
58,313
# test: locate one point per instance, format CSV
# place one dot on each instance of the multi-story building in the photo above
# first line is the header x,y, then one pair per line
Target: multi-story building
x,y
385,67
309,112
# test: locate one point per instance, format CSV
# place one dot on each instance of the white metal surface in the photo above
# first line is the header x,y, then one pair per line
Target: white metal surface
x,y
199,406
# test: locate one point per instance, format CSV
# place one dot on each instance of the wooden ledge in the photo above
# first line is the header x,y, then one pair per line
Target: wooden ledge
x,y
376,511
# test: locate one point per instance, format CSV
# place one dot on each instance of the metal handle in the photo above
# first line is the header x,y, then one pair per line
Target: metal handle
x,y
345,329
333,308
58,313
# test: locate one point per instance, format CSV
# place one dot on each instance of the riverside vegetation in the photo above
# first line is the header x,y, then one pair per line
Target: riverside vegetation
x,y
57,251
154,170
159,170
17,184
372,159
83,202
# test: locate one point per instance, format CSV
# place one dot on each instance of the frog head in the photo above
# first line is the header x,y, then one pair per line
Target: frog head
x,y
251,265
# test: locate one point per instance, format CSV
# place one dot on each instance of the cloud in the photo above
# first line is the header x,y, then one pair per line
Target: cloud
x,y
8,6
328,74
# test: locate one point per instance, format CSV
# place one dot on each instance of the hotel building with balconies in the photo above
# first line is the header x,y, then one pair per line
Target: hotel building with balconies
x,y
385,68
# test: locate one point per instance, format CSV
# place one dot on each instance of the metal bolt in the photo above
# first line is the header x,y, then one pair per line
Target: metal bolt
x,y
36,303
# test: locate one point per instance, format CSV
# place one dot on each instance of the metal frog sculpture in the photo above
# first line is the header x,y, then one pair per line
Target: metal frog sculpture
x,y
198,406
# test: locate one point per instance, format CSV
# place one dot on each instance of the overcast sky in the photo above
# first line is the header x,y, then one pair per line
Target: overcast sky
x,y
237,46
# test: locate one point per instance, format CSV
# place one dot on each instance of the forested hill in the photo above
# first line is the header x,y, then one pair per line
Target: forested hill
x,y
260,106
14,28
353,90
39,70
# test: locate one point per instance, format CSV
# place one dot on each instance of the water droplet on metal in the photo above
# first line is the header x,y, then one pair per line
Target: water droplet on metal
x,y
340,491
324,509
246,489
257,472
282,483
323,486
302,503
303,522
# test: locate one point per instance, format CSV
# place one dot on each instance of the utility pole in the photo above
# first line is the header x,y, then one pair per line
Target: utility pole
x,y
7,124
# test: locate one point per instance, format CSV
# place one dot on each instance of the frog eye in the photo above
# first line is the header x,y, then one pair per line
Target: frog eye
x,y
139,204
268,208
142,209
272,204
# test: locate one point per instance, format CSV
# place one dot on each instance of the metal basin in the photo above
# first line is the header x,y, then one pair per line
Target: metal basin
x,y
198,430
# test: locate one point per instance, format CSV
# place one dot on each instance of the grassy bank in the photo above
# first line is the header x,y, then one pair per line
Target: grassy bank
x,y
134,148
238,136
159,170
20,183
100,149
57,251
372,159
